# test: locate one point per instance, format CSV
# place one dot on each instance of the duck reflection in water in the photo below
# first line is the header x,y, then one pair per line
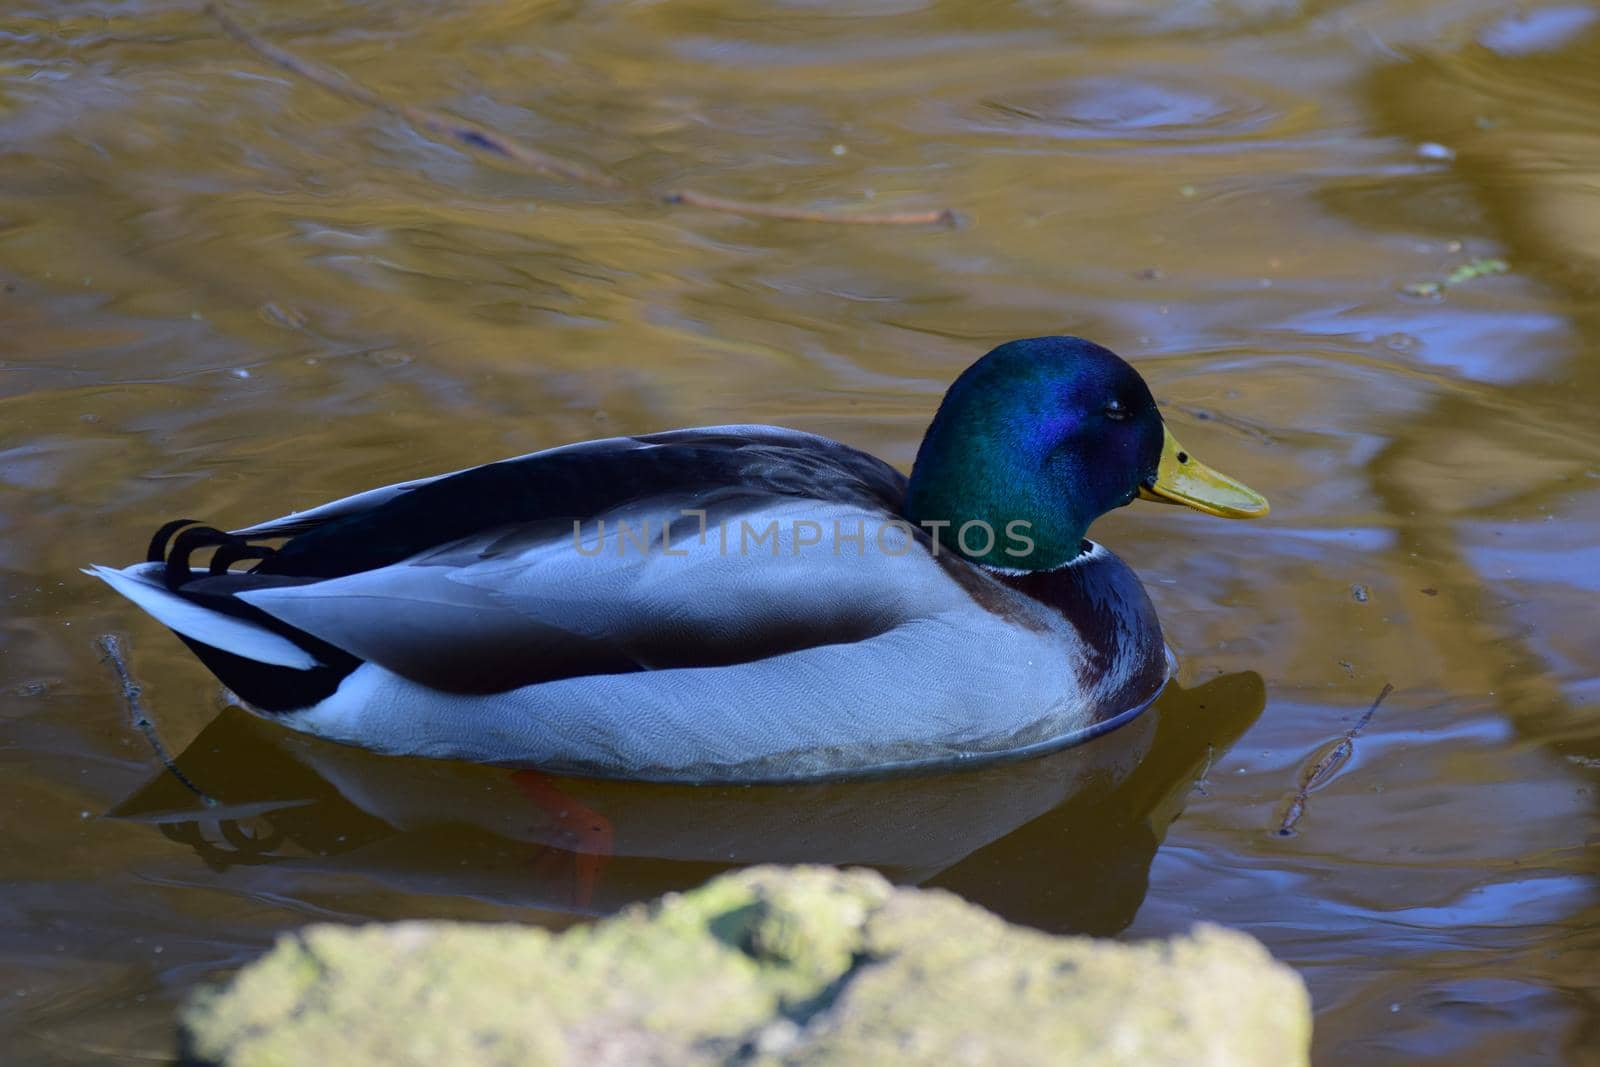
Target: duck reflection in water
x,y
1061,842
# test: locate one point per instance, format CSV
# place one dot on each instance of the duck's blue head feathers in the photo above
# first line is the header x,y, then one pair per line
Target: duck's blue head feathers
x,y
1034,442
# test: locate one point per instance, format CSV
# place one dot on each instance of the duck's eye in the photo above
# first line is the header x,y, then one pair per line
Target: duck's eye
x,y
1116,410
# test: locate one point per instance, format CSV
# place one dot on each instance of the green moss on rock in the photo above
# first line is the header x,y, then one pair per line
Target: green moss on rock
x,y
768,966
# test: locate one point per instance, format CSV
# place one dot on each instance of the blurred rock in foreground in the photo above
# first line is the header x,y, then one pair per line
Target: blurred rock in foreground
x,y
770,966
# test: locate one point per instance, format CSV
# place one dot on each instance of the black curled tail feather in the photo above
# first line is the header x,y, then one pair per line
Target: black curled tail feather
x,y
157,552
266,687
230,549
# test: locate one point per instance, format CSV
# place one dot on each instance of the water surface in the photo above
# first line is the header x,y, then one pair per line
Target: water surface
x,y
226,293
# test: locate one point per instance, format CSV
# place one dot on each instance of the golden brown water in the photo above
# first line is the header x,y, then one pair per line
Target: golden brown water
x,y
225,293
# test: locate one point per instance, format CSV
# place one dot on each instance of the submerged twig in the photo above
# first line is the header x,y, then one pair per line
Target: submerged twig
x,y
934,216
1318,772
132,692
1199,785
484,139
460,131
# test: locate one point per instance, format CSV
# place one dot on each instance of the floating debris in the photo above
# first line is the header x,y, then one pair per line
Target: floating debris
x,y
1478,268
1482,267
1320,771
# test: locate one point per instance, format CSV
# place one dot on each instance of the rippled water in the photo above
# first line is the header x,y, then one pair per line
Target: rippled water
x,y
226,293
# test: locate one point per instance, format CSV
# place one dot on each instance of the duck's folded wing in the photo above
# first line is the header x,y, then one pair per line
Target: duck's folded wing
x,y
514,606
586,477
297,522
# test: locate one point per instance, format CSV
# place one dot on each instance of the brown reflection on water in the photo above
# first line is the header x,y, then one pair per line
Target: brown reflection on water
x,y
253,795
1517,108
227,294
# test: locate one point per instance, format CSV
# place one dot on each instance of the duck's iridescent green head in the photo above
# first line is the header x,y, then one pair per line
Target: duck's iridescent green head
x,y
1041,437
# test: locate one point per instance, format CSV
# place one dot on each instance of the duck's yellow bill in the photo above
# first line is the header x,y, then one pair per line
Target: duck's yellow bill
x,y
1182,479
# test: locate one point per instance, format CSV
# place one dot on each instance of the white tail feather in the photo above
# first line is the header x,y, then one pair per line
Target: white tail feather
x,y
141,584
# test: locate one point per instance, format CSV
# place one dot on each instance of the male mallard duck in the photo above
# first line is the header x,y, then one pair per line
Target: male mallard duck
x,y
736,603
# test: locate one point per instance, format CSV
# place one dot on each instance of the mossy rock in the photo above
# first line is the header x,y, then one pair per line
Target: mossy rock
x,y
768,966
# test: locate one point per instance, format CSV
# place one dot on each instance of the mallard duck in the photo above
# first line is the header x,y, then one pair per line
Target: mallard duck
x,y
728,603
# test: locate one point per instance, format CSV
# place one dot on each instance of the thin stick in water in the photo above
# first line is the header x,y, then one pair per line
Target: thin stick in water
x,y
930,217
468,134
1201,779
483,139
132,694
1321,770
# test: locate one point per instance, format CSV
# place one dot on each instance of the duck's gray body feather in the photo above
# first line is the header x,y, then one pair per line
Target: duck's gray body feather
x,y
788,625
